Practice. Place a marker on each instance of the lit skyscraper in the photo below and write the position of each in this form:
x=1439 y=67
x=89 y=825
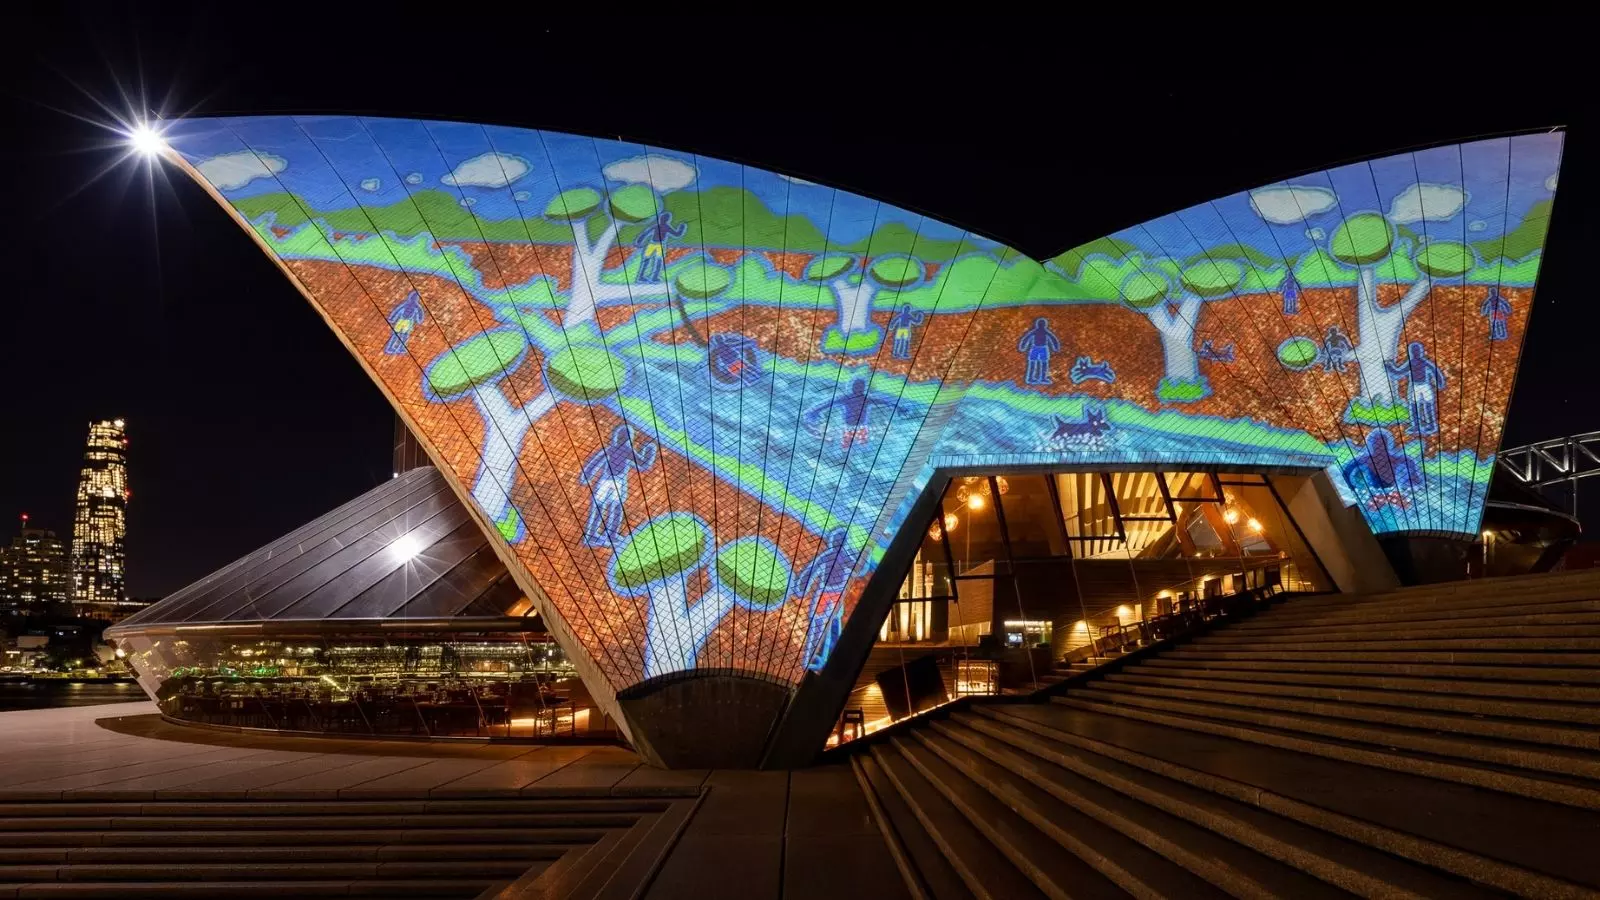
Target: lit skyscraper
x=100 y=524
x=33 y=572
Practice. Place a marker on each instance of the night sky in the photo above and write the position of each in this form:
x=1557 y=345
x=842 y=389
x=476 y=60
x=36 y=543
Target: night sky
x=247 y=418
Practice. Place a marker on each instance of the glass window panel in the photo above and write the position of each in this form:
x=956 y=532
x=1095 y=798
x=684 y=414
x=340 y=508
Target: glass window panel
x=929 y=574
x=1031 y=521
x=1086 y=507
x=972 y=527
x=1139 y=495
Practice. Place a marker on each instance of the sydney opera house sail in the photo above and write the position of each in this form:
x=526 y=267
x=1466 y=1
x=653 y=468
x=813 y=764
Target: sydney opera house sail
x=697 y=400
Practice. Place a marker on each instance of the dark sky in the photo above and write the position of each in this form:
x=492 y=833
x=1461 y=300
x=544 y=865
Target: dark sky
x=247 y=418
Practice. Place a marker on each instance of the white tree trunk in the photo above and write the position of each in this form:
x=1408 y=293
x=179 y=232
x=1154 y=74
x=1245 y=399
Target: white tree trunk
x=1378 y=331
x=677 y=631
x=1177 y=338
x=588 y=262
x=854 y=302
x=504 y=429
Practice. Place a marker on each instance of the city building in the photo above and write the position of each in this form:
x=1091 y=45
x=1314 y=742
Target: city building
x=764 y=456
x=33 y=573
x=100 y=523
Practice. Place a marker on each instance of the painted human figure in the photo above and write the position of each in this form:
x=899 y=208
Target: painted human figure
x=1381 y=472
x=652 y=241
x=826 y=577
x=1337 y=351
x=403 y=321
x=1291 y=295
x=607 y=473
x=733 y=359
x=1424 y=380
x=855 y=406
x=1038 y=343
x=1497 y=310
x=900 y=325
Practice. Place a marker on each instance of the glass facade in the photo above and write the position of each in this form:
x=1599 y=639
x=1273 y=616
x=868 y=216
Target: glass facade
x=100 y=522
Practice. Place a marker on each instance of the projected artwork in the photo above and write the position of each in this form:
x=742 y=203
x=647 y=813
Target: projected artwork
x=697 y=399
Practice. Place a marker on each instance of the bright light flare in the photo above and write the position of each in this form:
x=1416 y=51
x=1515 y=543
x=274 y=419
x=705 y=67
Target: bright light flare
x=406 y=547
x=146 y=140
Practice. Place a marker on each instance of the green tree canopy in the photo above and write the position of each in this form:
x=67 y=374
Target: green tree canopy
x=829 y=266
x=1213 y=277
x=1145 y=288
x=1446 y=259
x=478 y=361
x=1362 y=239
x=584 y=372
x=896 y=271
x=666 y=547
x=634 y=203
x=754 y=571
x=701 y=279
x=573 y=205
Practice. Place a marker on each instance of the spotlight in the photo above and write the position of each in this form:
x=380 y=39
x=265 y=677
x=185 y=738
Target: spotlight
x=406 y=547
x=146 y=140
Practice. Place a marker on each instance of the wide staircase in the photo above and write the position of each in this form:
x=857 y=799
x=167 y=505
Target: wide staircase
x=1427 y=742
x=301 y=848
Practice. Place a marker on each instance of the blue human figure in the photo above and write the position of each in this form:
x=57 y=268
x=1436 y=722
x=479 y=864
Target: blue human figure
x=1337 y=351
x=855 y=406
x=1039 y=342
x=1291 y=295
x=1382 y=472
x=733 y=359
x=1497 y=310
x=1424 y=381
x=900 y=325
x=652 y=240
x=403 y=321
x=826 y=575
x=607 y=471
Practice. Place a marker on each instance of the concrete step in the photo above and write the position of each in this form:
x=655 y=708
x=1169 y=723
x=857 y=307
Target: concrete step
x=1327 y=653
x=1159 y=854
x=1466 y=673
x=1482 y=681
x=1384 y=728
x=987 y=874
x=1578 y=794
x=1513 y=613
x=255 y=809
x=1388 y=632
x=1559 y=583
x=1231 y=841
x=922 y=863
x=330 y=822
x=301 y=838
x=1035 y=854
x=62 y=856
x=1439 y=699
x=1505 y=841
x=244 y=890
x=275 y=871
x=1365 y=640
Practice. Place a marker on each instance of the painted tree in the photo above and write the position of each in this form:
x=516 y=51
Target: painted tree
x=659 y=561
x=1172 y=299
x=579 y=207
x=474 y=369
x=1365 y=241
x=854 y=283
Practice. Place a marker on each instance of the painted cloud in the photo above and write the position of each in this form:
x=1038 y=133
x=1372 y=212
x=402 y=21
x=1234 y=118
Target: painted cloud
x=1550 y=183
x=371 y=185
x=490 y=170
x=232 y=171
x=1288 y=205
x=795 y=180
x=660 y=172
x=1427 y=203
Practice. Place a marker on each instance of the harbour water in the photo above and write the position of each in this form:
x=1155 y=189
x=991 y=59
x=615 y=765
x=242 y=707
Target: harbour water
x=46 y=693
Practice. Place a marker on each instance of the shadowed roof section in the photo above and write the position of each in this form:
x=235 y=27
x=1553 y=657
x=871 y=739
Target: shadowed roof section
x=406 y=549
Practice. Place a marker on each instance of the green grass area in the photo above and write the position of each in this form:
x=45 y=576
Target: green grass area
x=1173 y=390
x=1299 y=353
x=855 y=343
x=1363 y=411
x=1522 y=241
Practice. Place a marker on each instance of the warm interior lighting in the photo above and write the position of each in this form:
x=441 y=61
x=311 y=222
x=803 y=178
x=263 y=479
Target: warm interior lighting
x=1124 y=611
x=1487 y=535
x=148 y=142
x=975 y=501
x=1231 y=516
x=1253 y=525
x=950 y=521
